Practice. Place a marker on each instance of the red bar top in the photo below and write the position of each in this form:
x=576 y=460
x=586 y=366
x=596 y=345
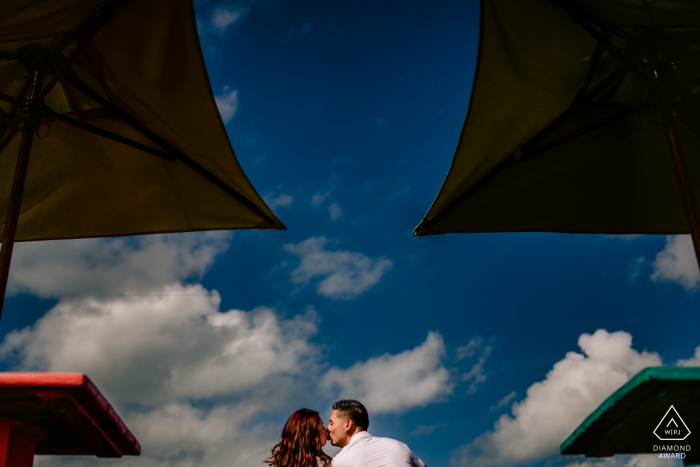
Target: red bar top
x=66 y=414
x=43 y=379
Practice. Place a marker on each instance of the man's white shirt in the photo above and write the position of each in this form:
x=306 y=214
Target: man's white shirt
x=365 y=450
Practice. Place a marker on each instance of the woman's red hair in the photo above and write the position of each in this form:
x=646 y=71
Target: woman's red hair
x=300 y=443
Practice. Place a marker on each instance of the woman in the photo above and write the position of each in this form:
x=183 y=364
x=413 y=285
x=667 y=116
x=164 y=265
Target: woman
x=300 y=444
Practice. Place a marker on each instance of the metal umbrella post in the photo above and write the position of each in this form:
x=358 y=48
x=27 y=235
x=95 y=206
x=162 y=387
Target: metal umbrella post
x=30 y=117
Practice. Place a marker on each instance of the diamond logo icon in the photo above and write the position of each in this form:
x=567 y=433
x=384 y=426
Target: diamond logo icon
x=672 y=427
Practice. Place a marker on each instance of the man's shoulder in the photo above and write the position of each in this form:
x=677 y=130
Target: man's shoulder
x=371 y=444
x=375 y=448
x=390 y=443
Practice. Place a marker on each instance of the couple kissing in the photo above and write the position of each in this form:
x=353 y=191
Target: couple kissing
x=303 y=438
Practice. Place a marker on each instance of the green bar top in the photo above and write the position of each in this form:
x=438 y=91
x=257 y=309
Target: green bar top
x=630 y=420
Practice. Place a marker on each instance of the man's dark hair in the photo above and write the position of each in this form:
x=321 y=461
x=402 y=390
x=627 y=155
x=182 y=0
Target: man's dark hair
x=354 y=410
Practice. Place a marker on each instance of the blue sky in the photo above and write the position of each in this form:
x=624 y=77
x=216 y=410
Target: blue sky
x=480 y=349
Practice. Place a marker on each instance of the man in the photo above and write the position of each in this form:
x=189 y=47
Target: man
x=347 y=429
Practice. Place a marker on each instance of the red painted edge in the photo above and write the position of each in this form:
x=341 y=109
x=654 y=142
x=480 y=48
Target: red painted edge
x=80 y=382
x=42 y=379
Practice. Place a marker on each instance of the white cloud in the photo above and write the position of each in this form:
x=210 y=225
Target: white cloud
x=693 y=361
x=319 y=198
x=554 y=407
x=223 y=18
x=425 y=430
x=227 y=102
x=503 y=402
x=469 y=349
x=677 y=263
x=179 y=435
x=394 y=383
x=112 y=266
x=344 y=274
x=176 y=345
x=476 y=374
x=281 y=201
x=335 y=211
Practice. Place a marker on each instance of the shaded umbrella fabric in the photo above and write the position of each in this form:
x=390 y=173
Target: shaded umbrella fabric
x=533 y=62
x=146 y=60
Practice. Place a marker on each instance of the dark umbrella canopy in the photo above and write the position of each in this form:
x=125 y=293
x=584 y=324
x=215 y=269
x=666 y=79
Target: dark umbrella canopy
x=133 y=69
x=108 y=126
x=567 y=127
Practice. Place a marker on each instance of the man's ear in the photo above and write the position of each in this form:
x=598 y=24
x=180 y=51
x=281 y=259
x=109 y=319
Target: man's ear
x=348 y=425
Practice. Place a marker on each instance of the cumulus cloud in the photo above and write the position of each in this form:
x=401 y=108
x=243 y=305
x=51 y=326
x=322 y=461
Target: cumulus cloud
x=468 y=350
x=280 y=201
x=179 y=434
x=693 y=361
x=553 y=408
x=112 y=266
x=677 y=263
x=224 y=17
x=393 y=383
x=319 y=198
x=476 y=375
x=175 y=345
x=335 y=211
x=503 y=402
x=425 y=430
x=343 y=274
x=227 y=102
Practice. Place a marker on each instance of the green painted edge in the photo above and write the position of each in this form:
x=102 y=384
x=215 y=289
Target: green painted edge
x=648 y=374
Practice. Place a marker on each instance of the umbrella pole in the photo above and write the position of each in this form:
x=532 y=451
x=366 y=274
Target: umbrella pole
x=660 y=77
x=691 y=209
x=31 y=115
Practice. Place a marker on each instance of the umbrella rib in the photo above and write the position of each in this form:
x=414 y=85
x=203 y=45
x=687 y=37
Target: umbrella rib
x=71 y=79
x=97 y=19
x=583 y=19
x=576 y=10
x=587 y=129
x=578 y=104
x=11 y=115
x=109 y=135
x=70 y=59
x=614 y=51
x=595 y=61
x=93 y=25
